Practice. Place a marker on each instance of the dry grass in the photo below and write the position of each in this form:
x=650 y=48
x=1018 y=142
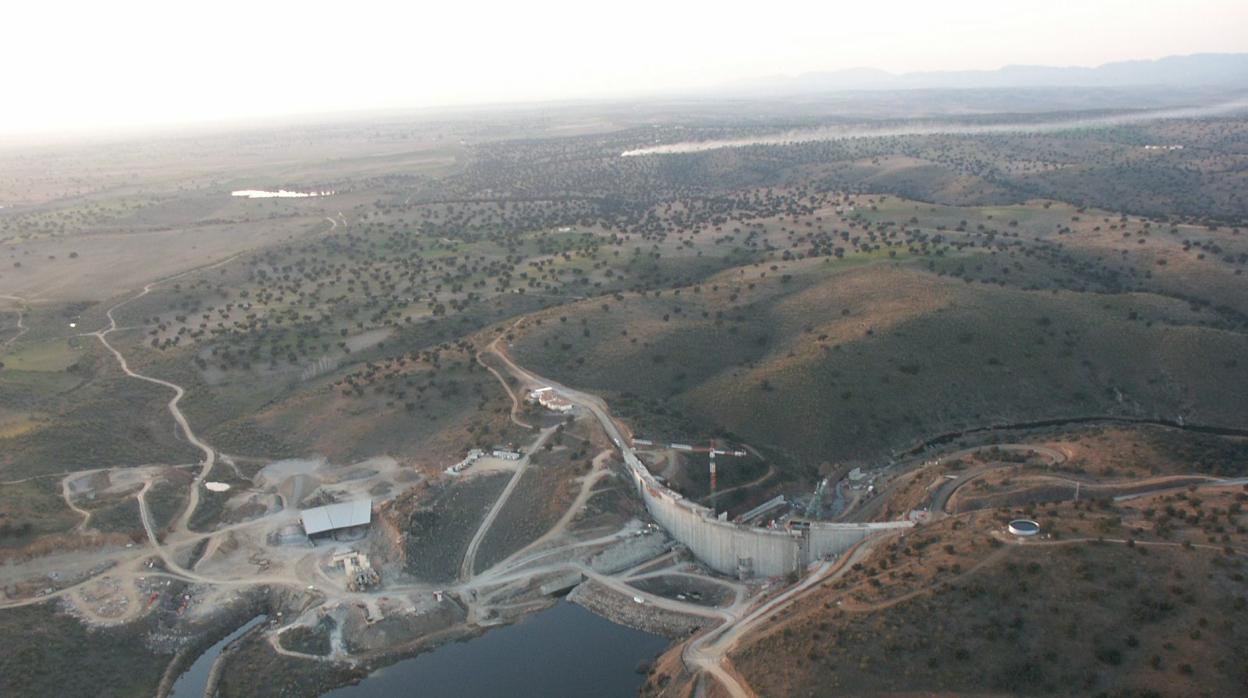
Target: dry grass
x=833 y=366
x=948 y=611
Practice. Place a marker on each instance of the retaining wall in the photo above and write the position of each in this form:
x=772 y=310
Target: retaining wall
x=826 y=539
x=739 y=550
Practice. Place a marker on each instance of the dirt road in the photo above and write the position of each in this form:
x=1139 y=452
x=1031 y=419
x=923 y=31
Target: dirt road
x=470 y=555
x=707 y=652
x=21 y=319
x=209 y=457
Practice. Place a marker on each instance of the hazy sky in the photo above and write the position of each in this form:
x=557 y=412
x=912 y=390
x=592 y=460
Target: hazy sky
x=104 y=63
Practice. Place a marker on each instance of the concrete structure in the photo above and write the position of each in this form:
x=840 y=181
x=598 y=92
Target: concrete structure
x=337 y=517
x=739 y=550
x=759 y=511
x=468 y=460
x=562 y=583
x=1024 y=527
x=722 y=545
x=506 y=454
x=551 y=400
x=359 y=570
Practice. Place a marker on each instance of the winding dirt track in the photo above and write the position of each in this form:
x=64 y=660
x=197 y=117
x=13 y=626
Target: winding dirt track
x=21 y=319
x=515 y=399
x=210 y=455
x=180 y=526
x=69 y=502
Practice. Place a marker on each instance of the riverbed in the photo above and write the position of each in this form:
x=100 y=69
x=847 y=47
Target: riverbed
x=563 y=651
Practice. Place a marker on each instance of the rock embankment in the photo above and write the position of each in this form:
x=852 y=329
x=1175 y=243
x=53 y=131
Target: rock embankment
x=622 y=609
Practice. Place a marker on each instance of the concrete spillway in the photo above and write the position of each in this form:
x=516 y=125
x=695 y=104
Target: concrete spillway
x=740 y=550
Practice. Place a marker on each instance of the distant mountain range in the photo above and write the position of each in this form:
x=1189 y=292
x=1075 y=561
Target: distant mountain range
x=1197 y=70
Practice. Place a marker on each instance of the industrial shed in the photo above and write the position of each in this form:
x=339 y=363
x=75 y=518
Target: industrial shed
x=350 y=519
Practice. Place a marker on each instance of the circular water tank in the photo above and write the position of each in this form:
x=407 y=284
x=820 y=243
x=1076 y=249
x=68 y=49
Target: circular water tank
x=1024 y=527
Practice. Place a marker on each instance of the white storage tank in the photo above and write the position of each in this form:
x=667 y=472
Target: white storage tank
x=1024 y=527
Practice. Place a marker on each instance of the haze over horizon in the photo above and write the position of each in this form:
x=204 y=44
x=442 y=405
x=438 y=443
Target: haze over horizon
x=630 y=350
x=92 y=67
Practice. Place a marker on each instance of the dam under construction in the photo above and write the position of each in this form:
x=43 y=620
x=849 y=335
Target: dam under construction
x=740 y=550
x=730 y=548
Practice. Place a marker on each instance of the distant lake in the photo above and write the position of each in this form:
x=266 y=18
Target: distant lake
x=279 y=194
x=563 y=651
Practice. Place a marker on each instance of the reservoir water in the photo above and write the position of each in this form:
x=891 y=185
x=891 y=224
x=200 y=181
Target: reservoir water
x=192 y=681
x=562 y=651
x=279 y=194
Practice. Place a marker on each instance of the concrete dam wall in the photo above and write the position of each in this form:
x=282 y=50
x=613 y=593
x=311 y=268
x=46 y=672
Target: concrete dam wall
x=740 y=550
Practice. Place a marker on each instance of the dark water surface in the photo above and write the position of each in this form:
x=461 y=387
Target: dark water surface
x=563 y=651
x=192 y=682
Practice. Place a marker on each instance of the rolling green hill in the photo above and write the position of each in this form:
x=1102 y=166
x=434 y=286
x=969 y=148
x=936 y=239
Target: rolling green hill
x=834 y=363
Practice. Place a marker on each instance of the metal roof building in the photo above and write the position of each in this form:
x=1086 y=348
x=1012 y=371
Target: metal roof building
x=336 y=516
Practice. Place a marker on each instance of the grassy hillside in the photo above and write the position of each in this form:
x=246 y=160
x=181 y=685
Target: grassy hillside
x=833 y=361
x=71 y=408
x=1065 y=621
x=111 y=662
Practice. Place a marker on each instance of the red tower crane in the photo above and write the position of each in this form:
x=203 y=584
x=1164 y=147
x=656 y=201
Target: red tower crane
x=712 y=451
x=720 y=452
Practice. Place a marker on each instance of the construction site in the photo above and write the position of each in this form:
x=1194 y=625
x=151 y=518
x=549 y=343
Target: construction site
x=356 y=565
x=367 y=562
x=360 y=564
x=771 y=539
x=375 y=557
